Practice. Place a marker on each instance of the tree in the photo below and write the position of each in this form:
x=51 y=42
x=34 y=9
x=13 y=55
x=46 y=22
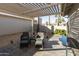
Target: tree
x=59 y=20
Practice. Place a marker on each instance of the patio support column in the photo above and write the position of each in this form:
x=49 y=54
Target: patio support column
x=38 y=25
x=68 y=26
x=49 y=19
x=32 y=25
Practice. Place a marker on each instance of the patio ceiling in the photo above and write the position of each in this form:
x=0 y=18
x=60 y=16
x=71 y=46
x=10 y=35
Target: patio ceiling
x=69 y=8
x=30 y=9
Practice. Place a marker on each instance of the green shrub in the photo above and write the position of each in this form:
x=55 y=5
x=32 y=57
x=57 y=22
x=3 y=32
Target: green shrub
x=60 y=32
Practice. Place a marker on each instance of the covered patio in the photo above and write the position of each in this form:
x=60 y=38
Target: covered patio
x=25 y=13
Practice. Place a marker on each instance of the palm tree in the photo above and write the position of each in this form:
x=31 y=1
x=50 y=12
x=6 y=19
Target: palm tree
x=59 y=20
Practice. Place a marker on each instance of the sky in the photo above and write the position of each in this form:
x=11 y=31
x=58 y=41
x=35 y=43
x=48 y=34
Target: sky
x=52 y=19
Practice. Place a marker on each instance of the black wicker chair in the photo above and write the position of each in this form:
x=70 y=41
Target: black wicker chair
x=25 y=40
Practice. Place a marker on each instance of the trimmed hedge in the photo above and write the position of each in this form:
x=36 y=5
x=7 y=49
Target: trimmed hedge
x=60 y=32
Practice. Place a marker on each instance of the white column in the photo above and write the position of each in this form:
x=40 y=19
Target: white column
x=49 y=19
x=32 y=25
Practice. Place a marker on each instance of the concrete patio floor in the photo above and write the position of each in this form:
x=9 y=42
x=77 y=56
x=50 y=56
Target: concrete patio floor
x=52 y=43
